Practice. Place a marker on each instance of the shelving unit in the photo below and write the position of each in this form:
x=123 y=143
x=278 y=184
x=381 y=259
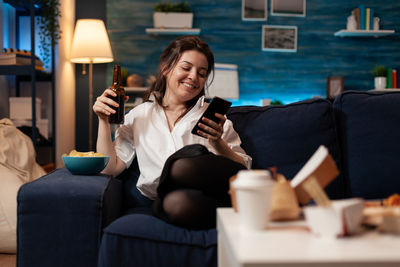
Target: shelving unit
x=31 y=74
x=363 y=33
x=156 y=31
x=138 y=90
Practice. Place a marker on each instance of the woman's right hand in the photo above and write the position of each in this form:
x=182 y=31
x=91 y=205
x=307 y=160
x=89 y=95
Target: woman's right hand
x=103 y=105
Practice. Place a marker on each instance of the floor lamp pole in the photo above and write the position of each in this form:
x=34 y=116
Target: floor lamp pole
x=90 y=105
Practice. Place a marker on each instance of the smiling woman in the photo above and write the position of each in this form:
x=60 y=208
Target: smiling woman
x=174 y=163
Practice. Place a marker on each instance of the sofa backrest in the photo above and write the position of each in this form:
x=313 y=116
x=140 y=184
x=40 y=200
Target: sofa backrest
x=286 y=136
x=369 y=134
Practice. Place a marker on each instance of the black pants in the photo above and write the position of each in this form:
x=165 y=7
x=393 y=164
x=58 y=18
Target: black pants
x=193 y=183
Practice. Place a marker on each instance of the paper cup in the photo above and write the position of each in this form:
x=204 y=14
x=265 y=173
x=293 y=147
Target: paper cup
x=253 y=196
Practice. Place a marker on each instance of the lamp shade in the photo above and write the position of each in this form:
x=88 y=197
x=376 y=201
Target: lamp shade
x=90 y=43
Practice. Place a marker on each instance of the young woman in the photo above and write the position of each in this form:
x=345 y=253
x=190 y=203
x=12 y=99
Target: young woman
x=186 y=174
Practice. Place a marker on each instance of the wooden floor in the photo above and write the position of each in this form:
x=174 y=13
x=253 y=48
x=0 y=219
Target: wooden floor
x=8 y=260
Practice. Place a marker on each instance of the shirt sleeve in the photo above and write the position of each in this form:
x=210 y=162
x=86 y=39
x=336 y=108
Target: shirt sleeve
x=123 y=143
x=232 y=138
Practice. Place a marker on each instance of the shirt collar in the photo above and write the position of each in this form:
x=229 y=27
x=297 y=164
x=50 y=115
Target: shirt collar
x=199 y=103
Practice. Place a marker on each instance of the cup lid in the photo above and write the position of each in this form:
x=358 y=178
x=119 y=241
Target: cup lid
x=253 y=179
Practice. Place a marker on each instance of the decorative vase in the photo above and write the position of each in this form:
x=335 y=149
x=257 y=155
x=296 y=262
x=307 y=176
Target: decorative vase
x=376 y=23
x=380 y=82
x=351 y=23
x=172 y=20
x=134 y=80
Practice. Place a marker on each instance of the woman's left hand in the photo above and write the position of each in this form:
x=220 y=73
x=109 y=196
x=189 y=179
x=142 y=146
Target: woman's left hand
x=211 y=129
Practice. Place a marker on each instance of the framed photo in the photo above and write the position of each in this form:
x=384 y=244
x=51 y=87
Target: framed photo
x=279 y=38
x=254 y=9
x=334 y=86
x=292 y=8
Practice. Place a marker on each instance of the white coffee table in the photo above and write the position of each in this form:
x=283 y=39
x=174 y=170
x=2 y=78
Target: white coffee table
x=291 y=244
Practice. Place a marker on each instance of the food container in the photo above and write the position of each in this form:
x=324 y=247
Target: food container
x=342 y=217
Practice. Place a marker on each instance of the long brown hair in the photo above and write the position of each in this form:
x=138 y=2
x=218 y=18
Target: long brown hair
x=170 y=57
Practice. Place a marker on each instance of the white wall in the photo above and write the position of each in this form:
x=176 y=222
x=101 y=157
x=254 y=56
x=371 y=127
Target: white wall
x=65 y=84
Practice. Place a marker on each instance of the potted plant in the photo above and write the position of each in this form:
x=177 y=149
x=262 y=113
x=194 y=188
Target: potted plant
x=173 y=15
x=49 y=32
x=380 y=73
x=276 y=102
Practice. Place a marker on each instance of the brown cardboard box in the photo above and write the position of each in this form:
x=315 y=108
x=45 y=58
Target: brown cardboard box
x=322 y=166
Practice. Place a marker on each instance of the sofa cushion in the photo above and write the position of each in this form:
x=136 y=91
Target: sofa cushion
x=147 y=241
x=369 y=132
x=133 y=199
x=286 y=136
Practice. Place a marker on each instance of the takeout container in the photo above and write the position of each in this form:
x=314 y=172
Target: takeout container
x=321 y=166
x=85 y=165
x=386 y=218
x=284 y=203
x=391 y=222
x=342 y=217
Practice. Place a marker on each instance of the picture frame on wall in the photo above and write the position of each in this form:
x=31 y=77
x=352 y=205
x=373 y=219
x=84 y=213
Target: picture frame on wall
x=290 y=8
x=334 y=86
x=254 y=10
x=277 y=38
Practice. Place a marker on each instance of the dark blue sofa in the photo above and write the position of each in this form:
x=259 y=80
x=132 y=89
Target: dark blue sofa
x=69 y=220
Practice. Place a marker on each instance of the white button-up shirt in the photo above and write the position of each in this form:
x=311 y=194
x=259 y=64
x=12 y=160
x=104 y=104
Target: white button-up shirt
x=146 y=135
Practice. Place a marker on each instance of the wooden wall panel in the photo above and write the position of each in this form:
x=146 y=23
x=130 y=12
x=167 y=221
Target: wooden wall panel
x=285 y=76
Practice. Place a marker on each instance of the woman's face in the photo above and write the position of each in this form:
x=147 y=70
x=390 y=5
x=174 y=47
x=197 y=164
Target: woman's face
x=187 y=79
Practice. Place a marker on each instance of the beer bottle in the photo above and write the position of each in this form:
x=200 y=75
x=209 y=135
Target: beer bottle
x=118 y=116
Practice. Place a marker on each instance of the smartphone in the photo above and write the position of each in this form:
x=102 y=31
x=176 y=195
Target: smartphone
x=217 y=105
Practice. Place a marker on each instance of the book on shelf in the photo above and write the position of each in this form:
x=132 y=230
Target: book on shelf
x=367 y=18
x=371 y=18
x=362 y=17
x=394 y=78
x=356 y=13
x=398 y=76
x=320 y=167
x=389 y=77
x=18 y=57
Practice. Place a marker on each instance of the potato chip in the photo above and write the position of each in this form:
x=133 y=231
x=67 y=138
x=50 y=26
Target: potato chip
x=75 y=153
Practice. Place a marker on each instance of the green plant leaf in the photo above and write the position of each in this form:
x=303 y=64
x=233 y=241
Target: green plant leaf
x=49 y=30
x=379 y=71
x=182 y=7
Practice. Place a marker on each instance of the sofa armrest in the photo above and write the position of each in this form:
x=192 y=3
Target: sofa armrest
x=61 y=217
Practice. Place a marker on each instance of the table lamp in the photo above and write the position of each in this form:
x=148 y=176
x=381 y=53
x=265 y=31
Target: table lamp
x=91 y=44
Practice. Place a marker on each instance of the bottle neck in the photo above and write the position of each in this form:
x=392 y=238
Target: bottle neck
x=116 y=77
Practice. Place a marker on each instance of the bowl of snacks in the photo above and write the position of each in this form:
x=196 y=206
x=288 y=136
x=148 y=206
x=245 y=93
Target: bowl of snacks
x=85 y=163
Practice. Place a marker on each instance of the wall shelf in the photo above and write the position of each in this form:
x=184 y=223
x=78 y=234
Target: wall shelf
x=363 y=33
x=135 y=89
x=386 y=90
x=176 y=31
x=21 y=70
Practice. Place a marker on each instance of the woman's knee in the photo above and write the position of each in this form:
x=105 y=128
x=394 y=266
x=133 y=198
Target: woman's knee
x=190 y=208
x=182 y=169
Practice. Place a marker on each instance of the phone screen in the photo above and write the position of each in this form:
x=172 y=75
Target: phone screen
x=217 y=105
